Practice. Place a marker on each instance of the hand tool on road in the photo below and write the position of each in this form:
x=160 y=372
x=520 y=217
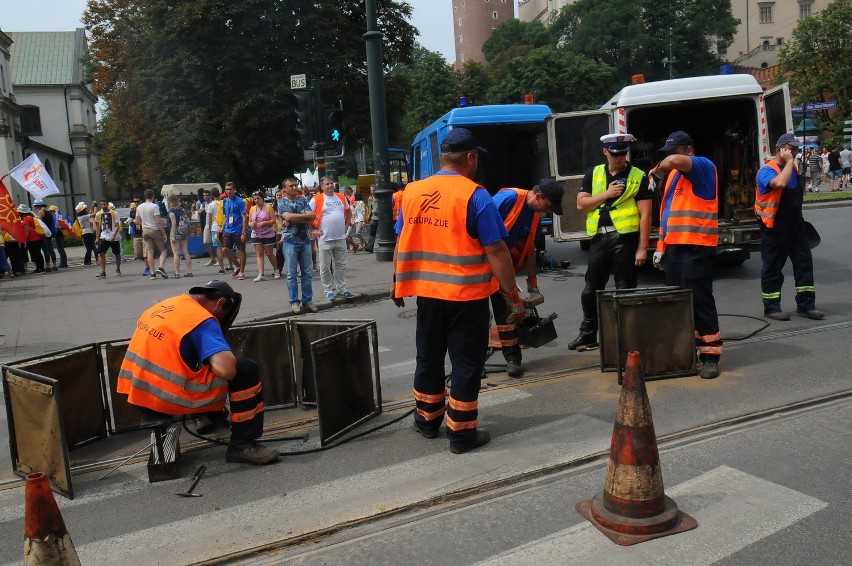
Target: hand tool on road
x=195 y=479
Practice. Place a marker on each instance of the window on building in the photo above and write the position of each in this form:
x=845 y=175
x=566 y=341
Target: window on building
x=805 y=10
x=48 y=167
x=780 y=41
x=62 y=176
x=494 y=15
x=766 y=12
x=31 y=121
x=766 y=45
x=461 y=38
x=459 y=22
x=2 y=79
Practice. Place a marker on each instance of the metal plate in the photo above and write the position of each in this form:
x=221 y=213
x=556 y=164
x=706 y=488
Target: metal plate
x=270 y=346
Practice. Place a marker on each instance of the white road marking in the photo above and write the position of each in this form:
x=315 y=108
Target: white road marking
x=733 y=510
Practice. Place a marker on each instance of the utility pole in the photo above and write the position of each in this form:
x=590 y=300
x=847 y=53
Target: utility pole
x=385 y=238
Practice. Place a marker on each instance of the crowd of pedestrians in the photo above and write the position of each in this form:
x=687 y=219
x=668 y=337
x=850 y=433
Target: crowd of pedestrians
x=831 y=165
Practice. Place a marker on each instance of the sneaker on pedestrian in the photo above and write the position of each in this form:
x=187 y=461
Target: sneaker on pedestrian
x=117 y=273
x=346 y=294
x=153 y=277
x=710 y=370
x=259 y=278
x=162 y=273
x=329 y=295
x=276 y=274
x=210 y=263
x=311 y=307
x=229 y=268
x=146 y=273
x=221 y=271
x=588 y=339
x=250 y=453
x=241 y=276
x=175 y=275
x=101 y=275
x=235 y=274
x=479 y=438
x=187 y=274
x=296 y=308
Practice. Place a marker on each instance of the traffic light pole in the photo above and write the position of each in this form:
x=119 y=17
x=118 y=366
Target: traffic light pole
x=385 y=238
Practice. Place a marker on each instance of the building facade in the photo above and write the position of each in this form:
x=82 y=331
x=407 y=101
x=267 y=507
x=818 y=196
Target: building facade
x=10 y=113
x=473 y=22
x=539 y=10
x=57 y=119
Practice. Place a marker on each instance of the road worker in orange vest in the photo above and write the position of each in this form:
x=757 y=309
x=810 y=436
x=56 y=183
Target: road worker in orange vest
x=450 y=253
x=783 y=233
x=521 y=212
x=178 y=362
x=689 y=232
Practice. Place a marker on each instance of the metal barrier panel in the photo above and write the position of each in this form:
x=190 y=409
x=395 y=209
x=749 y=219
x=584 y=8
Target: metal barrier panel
x=79 y=376
x=304 y=334
x=270 y=345
x=36 y=435
x=657 y=322
x=124 y=416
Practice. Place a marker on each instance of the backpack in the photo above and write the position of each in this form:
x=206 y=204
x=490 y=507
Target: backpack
x=182 y=229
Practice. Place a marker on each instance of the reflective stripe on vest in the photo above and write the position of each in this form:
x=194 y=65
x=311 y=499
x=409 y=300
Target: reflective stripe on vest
x=766 y=206
x=525 y=242
x=153 y=374
x=319 y=199
x=688 y=218
x=623 y=212
x=436 y=257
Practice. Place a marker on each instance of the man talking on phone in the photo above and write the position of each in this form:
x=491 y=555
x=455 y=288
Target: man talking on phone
x=617 y=202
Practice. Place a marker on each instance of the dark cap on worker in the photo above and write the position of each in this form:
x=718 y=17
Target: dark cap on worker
x=788 y=139
x=458 y=140
x=552 y=191
x=676 y=139
x=617 y=144
x=214 y=286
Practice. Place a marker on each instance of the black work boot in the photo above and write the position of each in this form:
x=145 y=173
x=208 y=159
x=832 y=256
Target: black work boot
x=514 y=368
x=250 y=452
x=584 y=339
x=480 y=438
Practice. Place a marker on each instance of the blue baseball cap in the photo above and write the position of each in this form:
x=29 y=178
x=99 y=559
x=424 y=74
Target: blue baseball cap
x=677 y=139
x=458 y=140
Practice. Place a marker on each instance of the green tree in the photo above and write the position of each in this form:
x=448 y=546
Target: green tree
x=474 y=81
x=433 y=90
x=818 y=58
x=512 y=33
x=205 y=82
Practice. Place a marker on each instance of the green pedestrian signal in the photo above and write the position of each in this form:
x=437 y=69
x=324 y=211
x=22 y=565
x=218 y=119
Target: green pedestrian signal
x=335 y=129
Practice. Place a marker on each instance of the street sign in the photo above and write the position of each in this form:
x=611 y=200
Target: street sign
x=828 y=104
x=298 y=81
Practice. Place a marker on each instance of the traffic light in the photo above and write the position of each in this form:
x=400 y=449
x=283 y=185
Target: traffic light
x=335 y=129
x=302 y=117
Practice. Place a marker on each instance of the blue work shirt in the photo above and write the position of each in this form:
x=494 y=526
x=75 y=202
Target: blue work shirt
x=234 y=209
x=504 y=201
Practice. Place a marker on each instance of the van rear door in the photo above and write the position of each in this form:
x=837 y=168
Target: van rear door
x=779 y=119
x=573 y=141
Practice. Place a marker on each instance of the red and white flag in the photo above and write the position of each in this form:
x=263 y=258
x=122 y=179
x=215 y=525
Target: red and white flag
x=9 y=219
x=32 y=175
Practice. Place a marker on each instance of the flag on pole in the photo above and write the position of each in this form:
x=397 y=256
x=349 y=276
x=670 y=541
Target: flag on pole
x=32 y=175
x=9 y=219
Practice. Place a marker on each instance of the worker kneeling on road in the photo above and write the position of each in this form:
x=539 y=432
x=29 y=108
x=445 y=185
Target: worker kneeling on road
x=178 y=362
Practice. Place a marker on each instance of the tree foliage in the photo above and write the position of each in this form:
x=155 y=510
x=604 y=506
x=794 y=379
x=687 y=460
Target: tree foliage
x=200 y=86
x=633 y=36
x=432 y=90
x=818 y=58
x=512 y=33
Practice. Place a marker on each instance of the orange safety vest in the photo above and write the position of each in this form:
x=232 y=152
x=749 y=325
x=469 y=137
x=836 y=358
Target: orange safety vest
x=397 y=204
x=153 y=373
x=524 y=246
x=319 y=199
x=436 y=257
x=691 y=220
x=766 y=206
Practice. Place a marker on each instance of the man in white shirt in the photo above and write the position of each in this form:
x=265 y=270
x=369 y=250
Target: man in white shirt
x=153 y=232
x=333 y=217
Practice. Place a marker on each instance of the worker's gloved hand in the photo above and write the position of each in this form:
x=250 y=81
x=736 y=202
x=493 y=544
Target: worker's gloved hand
x=658 y=260
x=398 y=301
x=516 y=305
x=532 y=285
x=656 y=178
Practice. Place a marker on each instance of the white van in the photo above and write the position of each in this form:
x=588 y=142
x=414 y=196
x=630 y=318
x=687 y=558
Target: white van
x=732 y=120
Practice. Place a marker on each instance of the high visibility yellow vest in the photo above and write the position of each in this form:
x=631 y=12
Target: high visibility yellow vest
x=623 y=212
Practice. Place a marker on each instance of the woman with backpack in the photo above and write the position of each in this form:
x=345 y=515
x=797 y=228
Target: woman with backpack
x=178 y=236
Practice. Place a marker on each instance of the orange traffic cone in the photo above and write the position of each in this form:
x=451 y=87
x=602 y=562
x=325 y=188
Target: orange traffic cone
x=633 y=507
x=46 y=541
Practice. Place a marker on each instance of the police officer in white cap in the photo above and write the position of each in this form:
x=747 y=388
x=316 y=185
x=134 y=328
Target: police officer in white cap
x=617 y=202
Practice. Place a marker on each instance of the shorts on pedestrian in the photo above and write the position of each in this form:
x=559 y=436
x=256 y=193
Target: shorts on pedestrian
x=265 y=242
x=847 y=170
x=835 y=173
x=231 y=240
x=154 y=239
x=207 y=236
x=114 y=245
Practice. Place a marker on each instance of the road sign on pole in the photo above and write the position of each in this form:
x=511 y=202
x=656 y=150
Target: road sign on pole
x=298 y=81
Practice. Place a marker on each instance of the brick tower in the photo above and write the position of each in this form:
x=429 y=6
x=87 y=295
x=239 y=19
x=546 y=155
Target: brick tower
x=473 y=21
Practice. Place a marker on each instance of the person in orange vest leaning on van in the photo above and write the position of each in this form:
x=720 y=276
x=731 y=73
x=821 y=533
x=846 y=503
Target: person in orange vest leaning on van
x=521 y=212
x=450 y=253
x=178 y=362
x=778 y=206
x=689 y=232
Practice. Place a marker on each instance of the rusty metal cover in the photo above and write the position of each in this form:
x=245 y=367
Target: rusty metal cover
x=270 y=345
